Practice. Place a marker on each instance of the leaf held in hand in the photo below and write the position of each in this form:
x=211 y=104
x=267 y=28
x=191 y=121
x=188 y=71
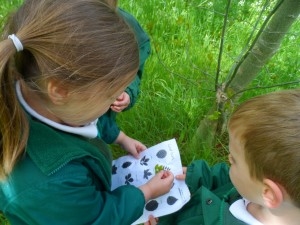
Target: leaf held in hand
x=158 y=168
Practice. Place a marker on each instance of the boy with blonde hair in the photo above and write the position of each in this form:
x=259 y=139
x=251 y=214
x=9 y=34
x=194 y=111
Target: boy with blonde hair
x=262 y=185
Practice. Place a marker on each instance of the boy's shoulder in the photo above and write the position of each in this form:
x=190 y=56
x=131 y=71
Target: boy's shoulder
x=207 y=208
x=212 y=194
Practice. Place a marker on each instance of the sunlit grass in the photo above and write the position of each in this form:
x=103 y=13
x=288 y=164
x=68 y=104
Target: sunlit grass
x=179 y=80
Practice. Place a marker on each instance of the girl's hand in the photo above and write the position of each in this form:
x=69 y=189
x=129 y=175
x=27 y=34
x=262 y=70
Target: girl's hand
x=132 y=146
x=158 y=185
x=152 y=221
x=121 y=102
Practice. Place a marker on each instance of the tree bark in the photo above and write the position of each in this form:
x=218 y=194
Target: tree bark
x=261 y=51
x=266 y=45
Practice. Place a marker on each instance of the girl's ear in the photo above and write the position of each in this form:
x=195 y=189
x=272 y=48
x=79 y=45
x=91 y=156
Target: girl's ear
x=57 y=93
x=272 y=194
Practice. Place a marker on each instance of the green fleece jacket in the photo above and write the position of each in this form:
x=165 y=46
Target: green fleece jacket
x=66 y=179
x=211 y=195
x=109 y=129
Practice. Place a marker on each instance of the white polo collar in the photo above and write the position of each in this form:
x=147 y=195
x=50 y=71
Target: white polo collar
x=239 y=210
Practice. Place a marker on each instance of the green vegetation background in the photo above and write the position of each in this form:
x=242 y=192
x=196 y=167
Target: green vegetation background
x=178 y=85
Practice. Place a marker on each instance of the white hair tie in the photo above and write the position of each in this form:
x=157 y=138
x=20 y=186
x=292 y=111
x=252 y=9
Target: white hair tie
x=16 y=42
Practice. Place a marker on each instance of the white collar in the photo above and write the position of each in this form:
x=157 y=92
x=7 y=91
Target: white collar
x=239 y=210
x=89 y=131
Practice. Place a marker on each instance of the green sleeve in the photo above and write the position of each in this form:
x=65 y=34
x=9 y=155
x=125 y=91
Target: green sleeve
x=133 y=90
x=107 y=127
x=204 y=182
x=199 y=173
x=73 y=196
x=144 y=51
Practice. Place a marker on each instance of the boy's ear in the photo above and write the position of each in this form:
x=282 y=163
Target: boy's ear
x=272 y=194
x=57 y=93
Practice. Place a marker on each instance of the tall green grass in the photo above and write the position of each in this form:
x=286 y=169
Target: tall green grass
x=177 y=89
x=178 y=84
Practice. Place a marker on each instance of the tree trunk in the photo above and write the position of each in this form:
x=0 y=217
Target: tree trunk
x=265 y=46
x=260 y=52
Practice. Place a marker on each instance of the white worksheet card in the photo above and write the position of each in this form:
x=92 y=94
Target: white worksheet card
x=128 y=170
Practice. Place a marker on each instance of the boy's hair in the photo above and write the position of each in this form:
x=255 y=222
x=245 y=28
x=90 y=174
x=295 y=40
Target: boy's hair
x=80 y=43
x=269 y=129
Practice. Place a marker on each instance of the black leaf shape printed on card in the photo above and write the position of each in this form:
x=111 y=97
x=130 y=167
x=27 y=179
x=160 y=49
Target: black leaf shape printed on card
x=126 y=164
x=171 y=200
x=147 y=173
x=161 y=154
x=128 y=179
x=114 y=169
x=151 y=205
x=144 y=161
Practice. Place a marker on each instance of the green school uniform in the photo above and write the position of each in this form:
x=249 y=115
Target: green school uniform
x=66 y=179
x=211 y=195
x=143 y=41
x=109 y=129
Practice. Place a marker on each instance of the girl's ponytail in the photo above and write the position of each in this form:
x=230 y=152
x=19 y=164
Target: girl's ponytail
x=13 y=124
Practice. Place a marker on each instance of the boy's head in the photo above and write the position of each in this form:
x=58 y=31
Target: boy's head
x=265 y=130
